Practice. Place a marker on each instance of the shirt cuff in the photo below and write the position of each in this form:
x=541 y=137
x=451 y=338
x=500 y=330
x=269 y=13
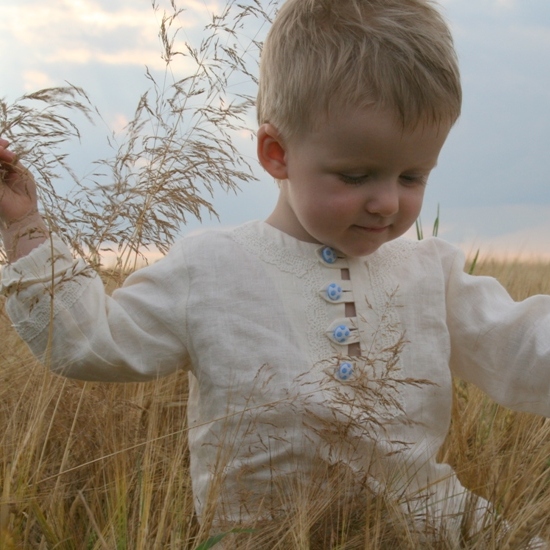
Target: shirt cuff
x=46 y=263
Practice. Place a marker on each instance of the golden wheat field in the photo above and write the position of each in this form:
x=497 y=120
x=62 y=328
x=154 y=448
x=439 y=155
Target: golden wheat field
x=99 y=466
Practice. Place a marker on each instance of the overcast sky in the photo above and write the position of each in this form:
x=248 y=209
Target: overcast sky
x=493 y=179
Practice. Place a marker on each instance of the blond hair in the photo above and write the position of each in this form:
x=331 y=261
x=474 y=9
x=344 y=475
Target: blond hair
x=324 y=54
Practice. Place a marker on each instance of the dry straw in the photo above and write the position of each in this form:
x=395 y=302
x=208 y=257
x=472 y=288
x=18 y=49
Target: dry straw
x=176 y=151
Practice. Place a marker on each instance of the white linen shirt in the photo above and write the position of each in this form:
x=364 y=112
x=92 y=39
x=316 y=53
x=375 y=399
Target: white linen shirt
x=259 y=319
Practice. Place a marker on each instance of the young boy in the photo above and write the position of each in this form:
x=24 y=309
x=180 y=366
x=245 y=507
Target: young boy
x=318 y=339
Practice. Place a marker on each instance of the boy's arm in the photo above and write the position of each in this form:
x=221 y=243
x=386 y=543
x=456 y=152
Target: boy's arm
x=84 y=333
x=21 y=226
x=500 y=345
x=58 y=305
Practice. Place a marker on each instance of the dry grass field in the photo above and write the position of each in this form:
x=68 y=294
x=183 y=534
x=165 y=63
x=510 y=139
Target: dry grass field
x=101 y=466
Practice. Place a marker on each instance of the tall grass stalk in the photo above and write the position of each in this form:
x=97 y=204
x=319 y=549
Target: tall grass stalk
x=178 y=148
x=435 y=232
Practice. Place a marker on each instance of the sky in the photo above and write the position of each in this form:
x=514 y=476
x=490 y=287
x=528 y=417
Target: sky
x=492 y=182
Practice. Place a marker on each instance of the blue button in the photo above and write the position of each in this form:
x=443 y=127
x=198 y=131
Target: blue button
x=341 y=333
x=344 y=371
x=328 y=255
x=334 y=292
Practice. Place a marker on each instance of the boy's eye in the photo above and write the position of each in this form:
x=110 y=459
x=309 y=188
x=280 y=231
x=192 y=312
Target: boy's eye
x=414 y=179
x=353 y=180
x=406 y=179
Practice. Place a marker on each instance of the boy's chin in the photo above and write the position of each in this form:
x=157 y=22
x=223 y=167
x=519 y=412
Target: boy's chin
x=359 y=251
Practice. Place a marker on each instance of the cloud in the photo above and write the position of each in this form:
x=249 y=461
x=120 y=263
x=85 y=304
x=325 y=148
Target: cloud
x=497 y=153
x=504 y=4
x=84 y=56
x=36 y=80
x=82 y=31
x=118 y=122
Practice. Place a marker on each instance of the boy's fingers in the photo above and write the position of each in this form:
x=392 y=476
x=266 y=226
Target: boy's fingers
x=8 y=159
x=10 y=173
x=7 y=156
x=6 y=166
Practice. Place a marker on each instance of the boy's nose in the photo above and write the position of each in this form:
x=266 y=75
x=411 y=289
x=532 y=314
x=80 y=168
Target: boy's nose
x=383 y=199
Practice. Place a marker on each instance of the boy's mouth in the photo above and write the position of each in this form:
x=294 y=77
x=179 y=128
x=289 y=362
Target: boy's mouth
x=373 y=228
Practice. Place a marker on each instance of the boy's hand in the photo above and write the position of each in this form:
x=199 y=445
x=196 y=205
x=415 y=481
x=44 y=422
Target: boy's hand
x=21 y=227
x=17 y=188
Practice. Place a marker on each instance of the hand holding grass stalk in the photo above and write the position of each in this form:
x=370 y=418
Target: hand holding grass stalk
x=21 y=226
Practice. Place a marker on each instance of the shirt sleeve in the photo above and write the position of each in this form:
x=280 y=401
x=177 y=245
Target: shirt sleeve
x=60 y=308
x=500 y=345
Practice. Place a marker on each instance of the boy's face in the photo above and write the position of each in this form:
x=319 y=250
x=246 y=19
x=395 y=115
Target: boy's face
x=357 y=181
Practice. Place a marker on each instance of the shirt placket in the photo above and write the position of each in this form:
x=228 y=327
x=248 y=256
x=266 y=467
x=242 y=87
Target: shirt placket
x=342 y=331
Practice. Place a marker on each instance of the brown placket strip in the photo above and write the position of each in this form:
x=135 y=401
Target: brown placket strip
x=354 y=350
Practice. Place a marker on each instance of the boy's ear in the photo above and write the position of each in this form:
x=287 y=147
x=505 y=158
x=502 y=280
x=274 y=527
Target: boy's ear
x=272 y=152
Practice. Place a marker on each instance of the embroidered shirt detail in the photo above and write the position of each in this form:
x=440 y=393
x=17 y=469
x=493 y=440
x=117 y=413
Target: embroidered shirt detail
x=307 y=268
